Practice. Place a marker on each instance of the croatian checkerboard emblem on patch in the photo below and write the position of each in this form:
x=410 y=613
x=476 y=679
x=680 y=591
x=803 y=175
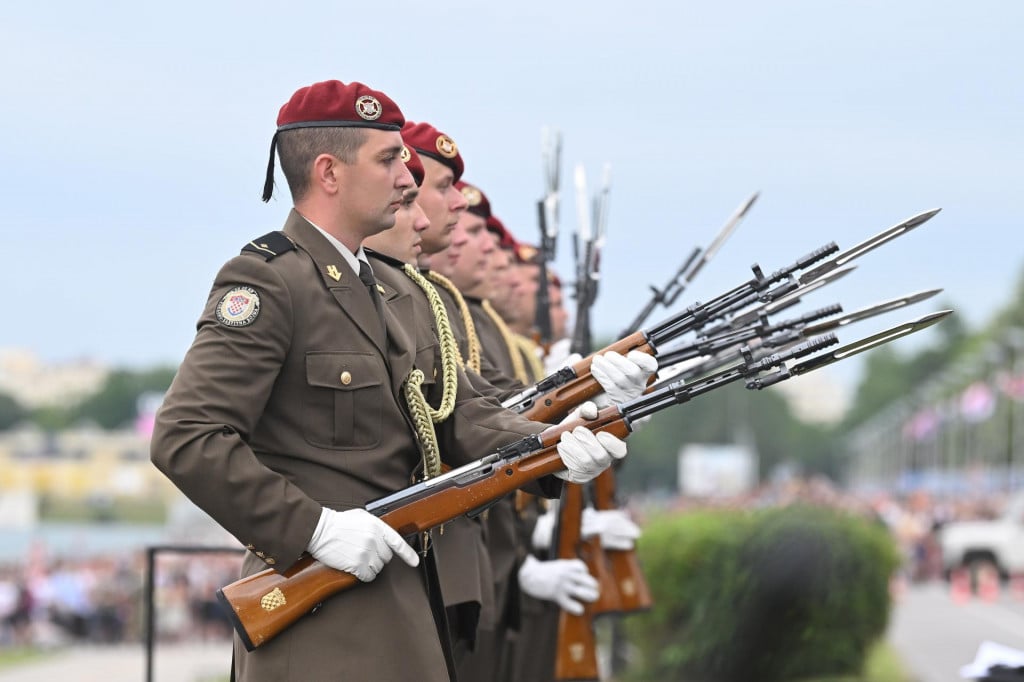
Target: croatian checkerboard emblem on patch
x=239 y=307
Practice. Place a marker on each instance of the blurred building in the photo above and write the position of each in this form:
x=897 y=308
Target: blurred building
x=86 y=462
x=34 y=383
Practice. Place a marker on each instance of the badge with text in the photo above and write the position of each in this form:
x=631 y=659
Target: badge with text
x=239 y=307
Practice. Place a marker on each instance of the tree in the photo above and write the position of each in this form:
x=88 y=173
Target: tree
x=116 y=404
x=11 y=412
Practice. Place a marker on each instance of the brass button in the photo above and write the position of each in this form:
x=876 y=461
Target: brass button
x=381 y=289
x=346 y=378
x=250 y=547
x=270 y=560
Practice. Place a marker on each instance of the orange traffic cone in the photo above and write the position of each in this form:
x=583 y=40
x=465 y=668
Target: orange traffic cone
x=960 y=586
x=988 y=583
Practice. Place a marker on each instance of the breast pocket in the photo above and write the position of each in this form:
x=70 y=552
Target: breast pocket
x=348 y=404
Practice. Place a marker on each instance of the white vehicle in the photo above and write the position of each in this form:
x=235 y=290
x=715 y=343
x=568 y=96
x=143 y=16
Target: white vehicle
x=1000 y=542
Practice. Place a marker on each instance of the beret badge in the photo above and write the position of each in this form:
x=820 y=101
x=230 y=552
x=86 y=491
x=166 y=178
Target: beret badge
x=446 y=147
x=405 y=155
x=472 y=195
x=368 y=107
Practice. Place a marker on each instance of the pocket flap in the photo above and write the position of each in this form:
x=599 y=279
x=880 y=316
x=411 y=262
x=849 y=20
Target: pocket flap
x=345 y=371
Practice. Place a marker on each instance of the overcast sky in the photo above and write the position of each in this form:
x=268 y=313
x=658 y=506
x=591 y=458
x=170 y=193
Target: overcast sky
x=135 y=136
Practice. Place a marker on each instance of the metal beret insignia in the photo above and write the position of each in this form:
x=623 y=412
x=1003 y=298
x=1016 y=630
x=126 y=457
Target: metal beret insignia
x=472 y=195
x=239 y=307
x=446 y=147
x=368 y=107
x=527 y=252
x=406 y=154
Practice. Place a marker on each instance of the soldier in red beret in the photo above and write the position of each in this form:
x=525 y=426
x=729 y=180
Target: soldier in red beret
x=288 y=413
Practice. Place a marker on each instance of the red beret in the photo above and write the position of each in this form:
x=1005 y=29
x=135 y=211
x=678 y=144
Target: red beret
x=429 y=141
x=333 y=104
x=527 y=254
x=413 y=163
x=506 y=240
x=477 y=200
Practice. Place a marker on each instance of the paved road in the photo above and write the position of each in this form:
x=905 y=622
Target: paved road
x=172 y=663
x=935 y=635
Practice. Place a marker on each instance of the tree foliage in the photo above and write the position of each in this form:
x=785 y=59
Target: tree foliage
x=11 y=412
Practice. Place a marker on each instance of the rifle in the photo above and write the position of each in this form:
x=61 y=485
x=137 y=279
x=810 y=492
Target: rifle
x=547 y=219
x=587 y=245
x=691 y=266
x=778 y=335
x=576 y=652
x=265 y=603
x=551 y=398
x=634 y=594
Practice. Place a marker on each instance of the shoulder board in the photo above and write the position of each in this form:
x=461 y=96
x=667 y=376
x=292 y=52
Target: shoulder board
x=270 y=245
x=384 y=259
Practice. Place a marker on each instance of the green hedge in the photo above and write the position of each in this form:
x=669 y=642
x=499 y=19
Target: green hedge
x=769 y=595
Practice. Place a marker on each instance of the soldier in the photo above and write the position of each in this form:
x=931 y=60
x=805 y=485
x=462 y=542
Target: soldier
x=288 y=412
x=516 y=357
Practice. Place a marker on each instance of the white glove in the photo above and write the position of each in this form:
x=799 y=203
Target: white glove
x=563 y=581
x=615 y=528
x=623 y=378
x=586 y=455
x=559 y=356
x=544 y=529
x=357 y=542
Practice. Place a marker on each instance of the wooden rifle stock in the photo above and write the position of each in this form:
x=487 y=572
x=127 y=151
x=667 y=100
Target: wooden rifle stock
x=634 y=593
x=264 y=604
x=557 y=403
x=576 y=652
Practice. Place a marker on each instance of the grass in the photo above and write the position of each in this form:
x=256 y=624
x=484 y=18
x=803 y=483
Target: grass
x=123 y=509
x=883 y=665
x=11 y=657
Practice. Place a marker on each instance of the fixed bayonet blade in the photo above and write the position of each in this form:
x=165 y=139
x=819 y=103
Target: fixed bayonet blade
x=869 y=244
x=869 y=311
x=869 y=342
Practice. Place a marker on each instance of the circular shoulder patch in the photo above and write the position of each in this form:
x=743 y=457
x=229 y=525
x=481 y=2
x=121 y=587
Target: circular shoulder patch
x=239 y=307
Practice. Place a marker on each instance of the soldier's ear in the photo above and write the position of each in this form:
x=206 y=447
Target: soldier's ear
x=326 y=173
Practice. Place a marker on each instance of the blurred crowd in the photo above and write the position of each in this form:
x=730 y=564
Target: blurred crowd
x=101 y=600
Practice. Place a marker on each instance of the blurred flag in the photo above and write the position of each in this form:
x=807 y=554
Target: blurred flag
x=977 y=402
x=145 y=412
x=923 y=425
x=1012 y=385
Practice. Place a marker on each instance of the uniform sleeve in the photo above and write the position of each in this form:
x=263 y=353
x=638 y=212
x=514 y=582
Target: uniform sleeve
x=479 y=425
x=200 y=440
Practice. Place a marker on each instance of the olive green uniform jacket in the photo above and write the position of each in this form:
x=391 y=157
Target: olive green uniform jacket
x=298 y=407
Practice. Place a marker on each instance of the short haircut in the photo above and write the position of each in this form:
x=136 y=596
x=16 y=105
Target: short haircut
x=298 y=148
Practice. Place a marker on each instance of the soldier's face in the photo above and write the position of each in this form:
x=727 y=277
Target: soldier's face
x=559 y=315
x=441 y=202
x=403 y=240
x=470 y=267
x=503 y=285
x=371 y=187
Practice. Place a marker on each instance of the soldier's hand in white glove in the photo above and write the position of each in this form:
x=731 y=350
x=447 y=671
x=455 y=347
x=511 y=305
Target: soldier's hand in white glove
x=623 y=377
x=544 y=528
x=613 y=526
x=564 y=581
x=586 y=455
x=357 y=542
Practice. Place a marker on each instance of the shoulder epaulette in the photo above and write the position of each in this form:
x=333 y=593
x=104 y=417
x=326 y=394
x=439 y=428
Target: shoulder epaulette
x=384 y=258
x=270 y=245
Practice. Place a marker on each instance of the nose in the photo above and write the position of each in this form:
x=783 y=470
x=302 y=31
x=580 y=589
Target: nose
x=459 y=202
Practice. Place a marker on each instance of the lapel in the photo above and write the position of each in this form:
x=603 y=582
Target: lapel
x=400 y=313
x=338 y=277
